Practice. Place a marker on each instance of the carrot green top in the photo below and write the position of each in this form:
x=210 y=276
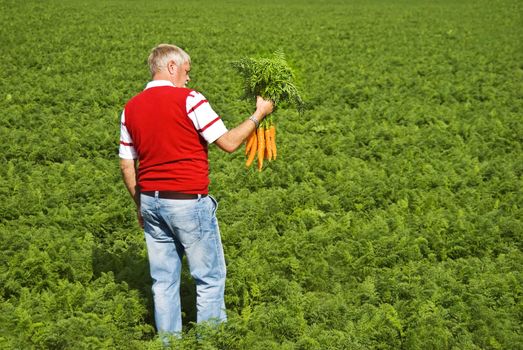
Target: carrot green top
x=271 y=78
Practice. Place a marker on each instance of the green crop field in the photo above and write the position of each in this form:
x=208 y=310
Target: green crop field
x=392 y=218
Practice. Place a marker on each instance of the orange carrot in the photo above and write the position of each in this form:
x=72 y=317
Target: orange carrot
x=250 y=142
x=268 y=144
x=261 y=148
x=252 y=151
x=272 y=132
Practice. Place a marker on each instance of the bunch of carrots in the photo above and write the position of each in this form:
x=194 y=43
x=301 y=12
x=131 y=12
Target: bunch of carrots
x=261 y=143
x=273 y=79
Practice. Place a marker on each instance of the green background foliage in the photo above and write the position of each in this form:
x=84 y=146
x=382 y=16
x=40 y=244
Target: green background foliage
x=392 y=218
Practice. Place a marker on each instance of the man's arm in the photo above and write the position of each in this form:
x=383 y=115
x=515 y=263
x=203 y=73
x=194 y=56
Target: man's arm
x=128 y=169
x=232 y=139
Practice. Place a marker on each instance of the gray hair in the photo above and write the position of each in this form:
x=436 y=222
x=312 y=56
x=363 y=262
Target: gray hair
x=162 y=54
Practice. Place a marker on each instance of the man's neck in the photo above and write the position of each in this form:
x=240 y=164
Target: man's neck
x=162 y=76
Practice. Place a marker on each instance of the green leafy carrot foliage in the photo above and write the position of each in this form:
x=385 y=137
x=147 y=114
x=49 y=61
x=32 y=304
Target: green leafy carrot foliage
x=270 y=77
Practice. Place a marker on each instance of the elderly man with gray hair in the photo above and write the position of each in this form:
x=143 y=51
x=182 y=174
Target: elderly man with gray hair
x=164 y=135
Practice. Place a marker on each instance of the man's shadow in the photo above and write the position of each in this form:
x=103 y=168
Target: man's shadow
x=132 y=268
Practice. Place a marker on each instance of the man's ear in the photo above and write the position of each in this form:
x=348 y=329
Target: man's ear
x=171 y=67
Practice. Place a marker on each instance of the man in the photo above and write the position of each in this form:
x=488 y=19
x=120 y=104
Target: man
x=165 y=131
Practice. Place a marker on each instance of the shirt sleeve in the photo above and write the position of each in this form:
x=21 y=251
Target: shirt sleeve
x=127 y=150
x=205 y=120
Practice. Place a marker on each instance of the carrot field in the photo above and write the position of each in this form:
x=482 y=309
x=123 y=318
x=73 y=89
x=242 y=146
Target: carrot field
x=391 y=219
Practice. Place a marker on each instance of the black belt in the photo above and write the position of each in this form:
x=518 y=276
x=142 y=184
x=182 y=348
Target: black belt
x=173 y=195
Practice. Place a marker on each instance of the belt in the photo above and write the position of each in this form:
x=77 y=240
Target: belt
x=173 y=195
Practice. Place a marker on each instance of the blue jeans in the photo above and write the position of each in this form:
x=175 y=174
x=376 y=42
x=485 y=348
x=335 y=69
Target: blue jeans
x=174 y=227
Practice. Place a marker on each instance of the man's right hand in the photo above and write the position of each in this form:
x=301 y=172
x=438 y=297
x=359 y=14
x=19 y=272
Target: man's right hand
x=264 y=107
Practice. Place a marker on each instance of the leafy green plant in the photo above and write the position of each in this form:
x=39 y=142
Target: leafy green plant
x=270 y=77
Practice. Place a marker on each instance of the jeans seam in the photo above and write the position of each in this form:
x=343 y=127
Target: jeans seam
x=215 y=205
x=200 y=221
